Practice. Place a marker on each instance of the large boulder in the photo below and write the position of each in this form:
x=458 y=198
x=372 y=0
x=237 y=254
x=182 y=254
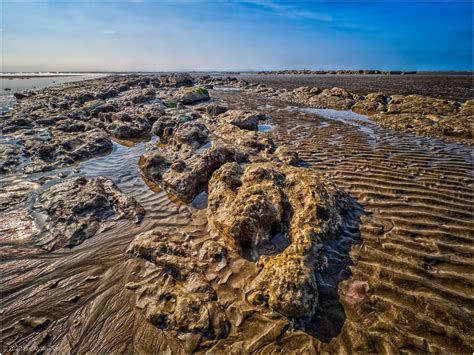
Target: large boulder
x=77 y=209
x=282 y=216
x=178 y=80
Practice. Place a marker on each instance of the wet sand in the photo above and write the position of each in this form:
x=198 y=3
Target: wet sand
x=399 y=278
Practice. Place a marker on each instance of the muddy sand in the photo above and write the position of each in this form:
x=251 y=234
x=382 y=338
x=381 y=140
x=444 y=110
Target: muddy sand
x=171 y=214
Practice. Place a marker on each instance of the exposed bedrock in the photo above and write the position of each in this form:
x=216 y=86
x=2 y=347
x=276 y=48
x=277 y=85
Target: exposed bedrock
x=174 y=294
x=77 y=209
x=284 y=215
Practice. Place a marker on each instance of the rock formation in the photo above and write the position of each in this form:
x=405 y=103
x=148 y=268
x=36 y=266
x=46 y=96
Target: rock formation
x=253 y=206
x=77 y=209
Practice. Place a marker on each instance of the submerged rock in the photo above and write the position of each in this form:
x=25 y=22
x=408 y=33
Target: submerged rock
x=254 y=207
x=77 y=209
x=174 y=294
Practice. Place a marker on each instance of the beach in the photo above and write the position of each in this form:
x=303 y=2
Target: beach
x=237 y=213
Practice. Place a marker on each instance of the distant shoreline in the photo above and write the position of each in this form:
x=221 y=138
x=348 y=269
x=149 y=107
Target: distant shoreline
x=250 y=72
x=59 y=75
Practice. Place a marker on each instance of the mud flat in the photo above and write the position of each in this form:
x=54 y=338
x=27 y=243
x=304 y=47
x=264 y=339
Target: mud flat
x=454 y=86
x=165 y=213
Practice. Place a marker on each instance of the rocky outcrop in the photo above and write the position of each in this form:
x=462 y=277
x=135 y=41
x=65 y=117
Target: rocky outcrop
x=174 y=294
x=257 y=206
x=335 y=98
x=77 y=209
x=62 y=125
x=400 y=104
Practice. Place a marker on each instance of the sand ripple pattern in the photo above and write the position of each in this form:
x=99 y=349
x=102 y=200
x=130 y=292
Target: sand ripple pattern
x=417 y=231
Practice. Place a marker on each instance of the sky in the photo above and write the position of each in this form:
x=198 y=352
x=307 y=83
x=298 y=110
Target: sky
x=168 y=35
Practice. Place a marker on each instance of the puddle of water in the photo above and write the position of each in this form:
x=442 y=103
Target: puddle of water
x=226 y=88
x=203 y=148
x=200 y=201
x=265 y=107
x=265 y=127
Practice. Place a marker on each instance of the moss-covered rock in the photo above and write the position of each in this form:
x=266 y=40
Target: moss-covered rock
x=192 y=95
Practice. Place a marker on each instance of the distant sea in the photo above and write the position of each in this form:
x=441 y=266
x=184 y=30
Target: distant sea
x=17 y=82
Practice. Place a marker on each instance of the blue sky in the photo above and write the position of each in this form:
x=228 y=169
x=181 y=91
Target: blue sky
x=166 y=35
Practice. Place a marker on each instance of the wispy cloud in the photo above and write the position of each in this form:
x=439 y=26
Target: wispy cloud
x=289 y=10
x=110 y=32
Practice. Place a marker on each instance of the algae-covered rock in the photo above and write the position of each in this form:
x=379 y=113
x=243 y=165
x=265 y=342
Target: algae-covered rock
x=192 y=95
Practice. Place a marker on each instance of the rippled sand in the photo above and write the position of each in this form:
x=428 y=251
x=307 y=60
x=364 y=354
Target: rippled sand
x=400 y=280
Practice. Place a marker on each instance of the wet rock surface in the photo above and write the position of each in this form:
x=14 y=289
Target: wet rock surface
x=77 y=209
